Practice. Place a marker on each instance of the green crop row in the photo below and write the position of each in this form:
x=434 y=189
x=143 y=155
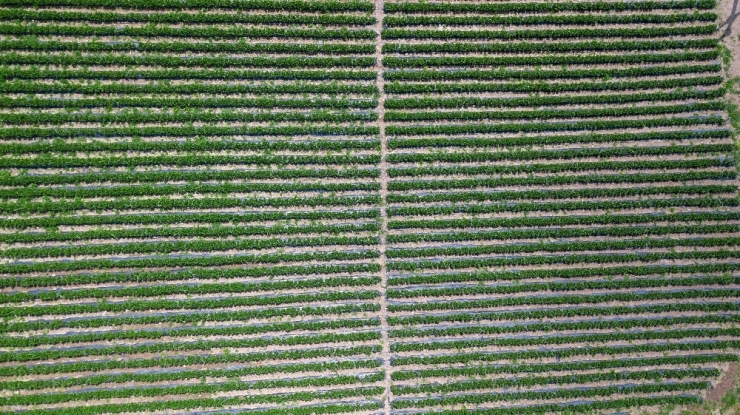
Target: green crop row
x=654 y=375
x=192 y=318
x=430 y=74
x=569 y=299
x=184 y=261
x=147 y=291
x=181 y=17
x=519 y=368
x=539 y=181
x=354 y=325
x=190 y=159
x=536 y=222
x=550 y=34
x=548 y=126
x=483 y=317
x=181 y=246
x=183 y=361
x=137 y=115
x=201 y=304
x=537 y=7
x=180 y=131
x=686 y=134
x=468 y=358
x=180 y=375
x=600 y=205
x=562 y=259
x=557 y=154
x=559 y=394
x=219 y=61
x=322 y=340
x=538 y=101
x=535 y=47
x=218 y=402
x=185 y=102
x=581 y=406
x=183 y=89
x=278 y=5
x=198 y=144
x=52 y=222
x=173 y=391
x=567 y=286
x=548 y=87
x=578 y=19
x=190 y=232
x=190 y=188
x=616 y=166
x=568 y=59
x=417 y=115
x=241 y=46
x=614 y=232
x=557 y=327
x=212 y=32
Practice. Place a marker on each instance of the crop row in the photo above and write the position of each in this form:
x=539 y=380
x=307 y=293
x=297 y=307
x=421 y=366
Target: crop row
x=278 y=5
x=519 y=368
x=566 y=59
x=191 y=318
x=479 y=317
x=557 y=154
x=178 y=17
x=242 y=46
x=184 y=88
x=568 y=299
x=212 y=32
x=194 y=116
x=552 y=287
x=544 y=222
x=131 y=292
x=614 y=232
x=200 y=304
x=578 y=19
x=553 y=34
x=9 y=73
x=544 y=181
x=186 y=404
x=353 y=325
x=190 y=232
x=538 y=7
x=535 y=47
x=559 y=327
x=672 y=135
x=555 y=394
x=51 y=223
x=429 y=75
x=185 y=261
x=198 y=144
x=173 y=391
x=551 y=206
x=714 y=119
x=181 y=361
x=180 y=375
x=185 y=131
x=656 y=375
x=724 y=253
x=417 y=115
x=549 y=87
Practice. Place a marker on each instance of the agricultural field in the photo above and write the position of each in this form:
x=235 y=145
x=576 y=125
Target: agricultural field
x=352 y=207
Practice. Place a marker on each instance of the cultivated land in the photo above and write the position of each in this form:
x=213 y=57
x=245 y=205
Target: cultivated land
x=313 y=207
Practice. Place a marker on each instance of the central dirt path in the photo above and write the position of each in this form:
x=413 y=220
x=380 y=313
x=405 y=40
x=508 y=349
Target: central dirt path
x=386 y=353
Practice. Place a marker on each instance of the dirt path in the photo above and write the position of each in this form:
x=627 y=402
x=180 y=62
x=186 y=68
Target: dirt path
x=386 y=351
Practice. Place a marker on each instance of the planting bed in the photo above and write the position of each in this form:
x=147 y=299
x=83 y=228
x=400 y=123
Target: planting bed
x=308 y=207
